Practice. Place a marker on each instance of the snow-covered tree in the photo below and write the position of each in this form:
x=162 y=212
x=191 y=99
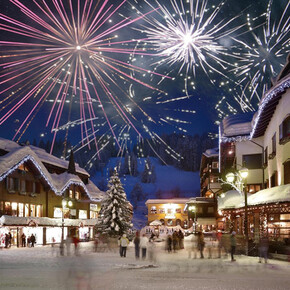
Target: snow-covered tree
x=116 y=212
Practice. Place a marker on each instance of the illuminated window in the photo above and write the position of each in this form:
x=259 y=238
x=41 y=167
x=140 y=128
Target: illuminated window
x=161 y=210
x=170 y=222
x=70 y=193
x=20 y=209
x=32 y=210
x=39 y=210
x=215 y=165
x=153 y=210
x=26 y=209
x=14 y=208
x=83 y=214
x=93 y=214
x=78 y=195
x=57 y=212
x=8 y=209
x=169 y=210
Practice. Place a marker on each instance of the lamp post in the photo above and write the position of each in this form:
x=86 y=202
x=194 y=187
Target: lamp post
x=192 y=208
x=65 y=203
x=239 y=181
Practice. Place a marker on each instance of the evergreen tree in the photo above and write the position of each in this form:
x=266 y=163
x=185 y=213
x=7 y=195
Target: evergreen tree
x=71 y=165
x=116 y=213
x=134 y=165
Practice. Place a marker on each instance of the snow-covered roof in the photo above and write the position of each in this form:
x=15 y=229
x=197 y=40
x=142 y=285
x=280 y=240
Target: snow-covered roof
x=236 y=125
x=58 y=183
x=8 y=145
x=211 y=152
x=234 y=199
x=6 y=220
x=171 y=200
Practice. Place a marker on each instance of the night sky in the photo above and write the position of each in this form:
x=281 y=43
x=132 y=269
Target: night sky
x=116 y=70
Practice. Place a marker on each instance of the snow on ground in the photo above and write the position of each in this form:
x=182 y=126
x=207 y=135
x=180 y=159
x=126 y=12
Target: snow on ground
x=43 y=268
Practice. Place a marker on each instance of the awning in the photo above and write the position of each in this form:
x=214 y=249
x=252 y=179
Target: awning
x=206 y=221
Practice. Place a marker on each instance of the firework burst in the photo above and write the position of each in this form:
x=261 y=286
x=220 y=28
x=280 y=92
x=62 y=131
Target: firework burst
x=65 y=53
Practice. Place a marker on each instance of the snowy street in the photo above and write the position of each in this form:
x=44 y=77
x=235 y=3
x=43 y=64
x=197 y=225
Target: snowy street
x=43 y=268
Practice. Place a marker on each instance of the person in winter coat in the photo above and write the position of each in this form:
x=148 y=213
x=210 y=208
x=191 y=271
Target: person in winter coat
x=23 y=240
x=169 y=243
x=137 y=245
x=124 y=242
x=200 y=243
x=143 y=245
x=233 y=245
x=180 y=239
x=32 y=240
x=175 y=241
x=263 y=249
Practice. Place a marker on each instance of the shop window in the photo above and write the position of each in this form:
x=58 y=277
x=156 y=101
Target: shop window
x=185 y=224
x=178 y=222
x=26 y=210
x=93 y=214
x=39 y=210
x=153 y=210
x=83 y=214
x=162 y=222
x=284 y=131
x=284 y=217
x=287 y=172
x=170 y=222
x=57 y=212
x=253 y=188
x=161 y=210
x=14 y=208
x=178 y=210
x=20 y=209
x=7 y=209
x=32 y=210
x=252 y=161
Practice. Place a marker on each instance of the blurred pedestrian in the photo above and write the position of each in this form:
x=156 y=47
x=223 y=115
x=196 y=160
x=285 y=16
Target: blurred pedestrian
x=151 y=251
x=124 y=243
x=9 y=239
x=192 y=250
x=68 y=243
x=76 y=244
x=23 y=240
x=233 y=245
x=61 y=247
x=32 y=240
x=6 y=240
x=180 y=239
x=143 y=245
x=219 y=240
x=200 y=243
x=137 y=245
x=169 y=243
x=263 y=248
x=175 y=241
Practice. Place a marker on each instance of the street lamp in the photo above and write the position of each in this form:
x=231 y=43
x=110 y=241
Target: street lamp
x=192 y=208
x=240 y=178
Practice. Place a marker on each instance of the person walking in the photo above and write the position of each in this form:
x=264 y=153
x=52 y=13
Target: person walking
x=200 y=243
x=124 y=242
x=180 y=239
x=169 y=243
x=32 y=240
x=143 y=245
x=23 y=240
x=263 y=249
x=233 y=245
x=219 y=240
x=137 y=245
x=175 y=241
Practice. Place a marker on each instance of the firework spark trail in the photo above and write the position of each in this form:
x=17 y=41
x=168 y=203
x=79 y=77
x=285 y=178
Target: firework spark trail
x=77 y=36
x=264 y=57
x=192 y=37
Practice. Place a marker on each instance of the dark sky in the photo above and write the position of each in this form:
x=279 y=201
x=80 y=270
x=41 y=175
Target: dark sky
x=200 y=105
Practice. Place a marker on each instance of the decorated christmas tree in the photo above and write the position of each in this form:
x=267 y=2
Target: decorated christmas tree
x=116 y=211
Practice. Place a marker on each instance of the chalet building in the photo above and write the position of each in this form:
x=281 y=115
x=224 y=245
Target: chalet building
x=262 y=144
x=170 y=212
x=210 y=186
x=44 y=195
